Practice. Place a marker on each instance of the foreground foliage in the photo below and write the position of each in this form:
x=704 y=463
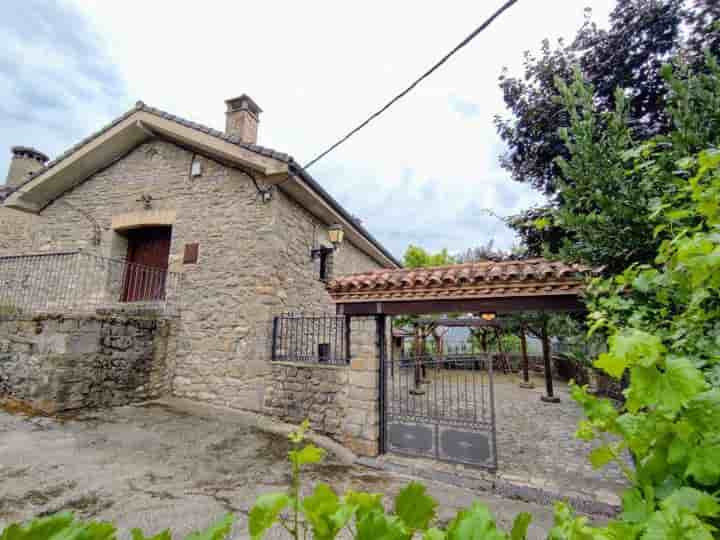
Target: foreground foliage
x=323 y=514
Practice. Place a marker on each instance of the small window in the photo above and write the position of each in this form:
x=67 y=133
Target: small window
x=196 y=168
x=323 y=353
x=325 y=265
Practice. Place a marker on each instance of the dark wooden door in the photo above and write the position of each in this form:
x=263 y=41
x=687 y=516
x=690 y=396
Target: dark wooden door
x=147 y=264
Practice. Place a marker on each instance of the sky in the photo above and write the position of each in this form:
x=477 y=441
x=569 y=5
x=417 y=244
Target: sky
x=425 y=173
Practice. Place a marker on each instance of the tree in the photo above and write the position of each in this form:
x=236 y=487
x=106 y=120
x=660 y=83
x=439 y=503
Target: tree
x=417 y=257
x=662 y=322
x=641 y=37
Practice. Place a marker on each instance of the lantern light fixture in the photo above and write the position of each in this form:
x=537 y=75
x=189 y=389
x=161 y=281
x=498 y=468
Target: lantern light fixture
x=488 y=316
x=336 y=234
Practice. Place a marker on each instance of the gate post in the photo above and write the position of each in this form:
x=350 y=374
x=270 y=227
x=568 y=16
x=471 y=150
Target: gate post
x=361 y=421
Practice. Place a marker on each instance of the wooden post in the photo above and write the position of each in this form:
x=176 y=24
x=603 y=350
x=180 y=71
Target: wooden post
x=526 y=382
x=549 y=396
x=419 y=344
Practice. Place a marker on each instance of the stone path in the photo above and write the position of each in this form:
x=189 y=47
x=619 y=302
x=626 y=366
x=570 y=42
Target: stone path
x=536 y=444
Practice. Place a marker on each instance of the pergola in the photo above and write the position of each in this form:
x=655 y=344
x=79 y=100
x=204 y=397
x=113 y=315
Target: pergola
x=492 y=287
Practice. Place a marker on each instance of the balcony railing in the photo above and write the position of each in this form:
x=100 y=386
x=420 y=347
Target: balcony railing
x=79 y=282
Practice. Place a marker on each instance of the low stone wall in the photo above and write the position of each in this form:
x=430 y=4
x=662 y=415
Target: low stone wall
x=316 y=392
x=340 y=401
x=53 y=364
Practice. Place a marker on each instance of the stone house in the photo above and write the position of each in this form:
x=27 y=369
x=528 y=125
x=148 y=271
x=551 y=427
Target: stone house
x=237 y=221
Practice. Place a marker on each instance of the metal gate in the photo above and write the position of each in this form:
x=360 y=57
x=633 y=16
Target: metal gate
x=440 y=406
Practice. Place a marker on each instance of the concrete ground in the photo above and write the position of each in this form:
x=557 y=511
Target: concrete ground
x=179 y=465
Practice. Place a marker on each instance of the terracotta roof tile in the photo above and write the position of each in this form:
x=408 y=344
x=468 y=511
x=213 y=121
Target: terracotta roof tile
x=470 y=280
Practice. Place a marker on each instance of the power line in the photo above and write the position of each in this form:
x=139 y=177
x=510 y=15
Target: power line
x=417 y=81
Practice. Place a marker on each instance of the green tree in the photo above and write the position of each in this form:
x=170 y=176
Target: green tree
x=417 y=257
x=642 y=35
x=662 y=321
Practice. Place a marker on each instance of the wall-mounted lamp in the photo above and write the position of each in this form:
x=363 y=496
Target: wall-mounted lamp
x=488 y=316
x=336 y=234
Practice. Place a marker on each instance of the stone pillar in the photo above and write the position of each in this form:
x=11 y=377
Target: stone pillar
x=361 y=423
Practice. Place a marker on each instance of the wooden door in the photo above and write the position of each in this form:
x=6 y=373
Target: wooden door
x=147 y=264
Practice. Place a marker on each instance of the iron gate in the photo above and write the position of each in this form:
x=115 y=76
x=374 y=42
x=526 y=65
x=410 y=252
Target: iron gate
x=440 y=406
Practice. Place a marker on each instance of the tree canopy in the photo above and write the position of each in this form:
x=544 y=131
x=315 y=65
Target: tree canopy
x=642 y=36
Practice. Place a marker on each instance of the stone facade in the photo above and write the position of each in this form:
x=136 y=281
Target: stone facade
x=339 y=401
x=55 y=364
x=16 y=229
x=254 y=259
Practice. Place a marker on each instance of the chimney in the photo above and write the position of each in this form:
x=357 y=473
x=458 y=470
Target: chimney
x=241 y=119
x=25 y=161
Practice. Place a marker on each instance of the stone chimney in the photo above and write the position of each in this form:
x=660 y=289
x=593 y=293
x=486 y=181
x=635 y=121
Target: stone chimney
x=242 y=118
x=25 y=161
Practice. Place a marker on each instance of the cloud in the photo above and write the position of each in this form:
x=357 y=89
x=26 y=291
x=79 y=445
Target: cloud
x=421 y=173
x=56 y=83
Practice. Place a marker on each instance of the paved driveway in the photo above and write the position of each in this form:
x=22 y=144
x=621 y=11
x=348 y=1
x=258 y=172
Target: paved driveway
x=173 y=464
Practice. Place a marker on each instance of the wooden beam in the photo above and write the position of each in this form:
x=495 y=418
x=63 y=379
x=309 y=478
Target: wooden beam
x=513 y=304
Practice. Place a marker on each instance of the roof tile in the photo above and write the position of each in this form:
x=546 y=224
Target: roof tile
x=470 y=280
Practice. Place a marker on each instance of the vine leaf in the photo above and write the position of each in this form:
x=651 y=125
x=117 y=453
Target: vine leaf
x=475 y=523
x=364 y=502
x=520 y=526
x=308 y=455
x=696 y=501
x=415 y=507
x=265 y=513
x=324 y=512
x=377 y=526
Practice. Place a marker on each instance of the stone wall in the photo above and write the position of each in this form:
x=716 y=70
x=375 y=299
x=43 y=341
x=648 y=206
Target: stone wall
x=16 y=229
x=254 y=259
x=55 y=364
x=339 y=401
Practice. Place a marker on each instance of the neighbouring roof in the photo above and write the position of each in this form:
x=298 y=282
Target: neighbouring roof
x=288 y=163
x=487 y=279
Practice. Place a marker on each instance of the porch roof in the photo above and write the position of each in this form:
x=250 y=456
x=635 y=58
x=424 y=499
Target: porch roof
x=522 y=285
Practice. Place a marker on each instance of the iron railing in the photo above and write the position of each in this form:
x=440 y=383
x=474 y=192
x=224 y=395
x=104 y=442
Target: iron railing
x=308 y=338
x=80 y=282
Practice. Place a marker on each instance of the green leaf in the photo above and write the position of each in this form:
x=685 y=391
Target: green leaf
x=217 y=531
x=474 y=523
x=415 y=507
x=694 y=500
x=434 y=534
x=703 y=411
x=629 y=348
x=308 y=455
x=704 y=464
x=601 y=456
x=520 y=526
x=672 y=523
x=636 y=508
x=364 y=502
x=324 y=512
x=265 y=512
x=377 y=526
x=668 y=390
